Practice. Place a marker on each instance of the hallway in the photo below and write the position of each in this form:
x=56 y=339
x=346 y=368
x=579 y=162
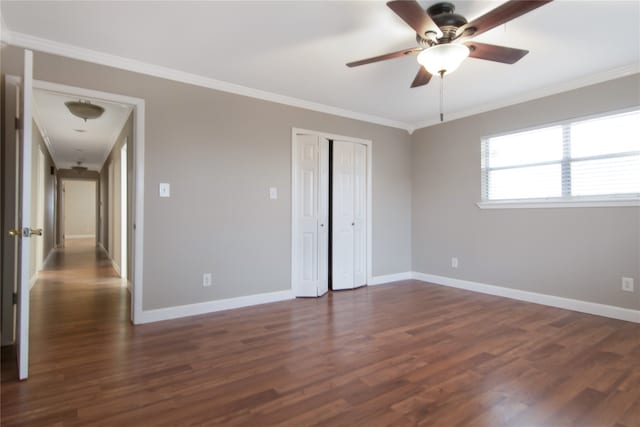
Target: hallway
x=78 y=305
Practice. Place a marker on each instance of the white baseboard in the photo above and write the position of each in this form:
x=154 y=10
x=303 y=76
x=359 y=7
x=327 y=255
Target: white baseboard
x=212 y=306
x=115 y=266
x=33 y=280
x=534 y=297
x=80 y=236
x=46 y=260
x=380 y=280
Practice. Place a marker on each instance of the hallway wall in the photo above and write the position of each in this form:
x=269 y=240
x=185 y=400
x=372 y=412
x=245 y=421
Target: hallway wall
x=47 y=223
x=111 y=222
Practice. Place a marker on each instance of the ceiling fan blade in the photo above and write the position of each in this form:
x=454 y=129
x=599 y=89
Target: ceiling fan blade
x=422 y=78
x=413 y=14
x=500 y=15
x=491 y=52
x=398 y=54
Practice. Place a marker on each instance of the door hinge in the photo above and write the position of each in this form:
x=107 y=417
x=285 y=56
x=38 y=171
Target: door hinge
x=17 y=123
x=14 y=298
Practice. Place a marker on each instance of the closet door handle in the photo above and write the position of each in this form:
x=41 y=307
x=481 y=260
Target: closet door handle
x=353 y=223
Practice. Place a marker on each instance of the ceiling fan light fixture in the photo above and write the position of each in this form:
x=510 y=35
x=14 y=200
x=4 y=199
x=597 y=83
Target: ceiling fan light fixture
x=443 y=59
x=84 y=109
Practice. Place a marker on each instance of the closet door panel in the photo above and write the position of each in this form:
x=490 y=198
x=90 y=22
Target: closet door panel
x=306 y=216
x=343 y=216
x=360 y=215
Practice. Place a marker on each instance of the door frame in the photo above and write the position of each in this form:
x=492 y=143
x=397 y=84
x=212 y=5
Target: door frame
x=62 y=200
x=369 y=205
x=137 y=234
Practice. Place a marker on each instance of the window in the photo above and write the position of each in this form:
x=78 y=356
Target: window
x=583 y=160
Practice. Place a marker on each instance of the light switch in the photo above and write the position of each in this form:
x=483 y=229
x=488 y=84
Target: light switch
x=273 y=193
x=165 y=189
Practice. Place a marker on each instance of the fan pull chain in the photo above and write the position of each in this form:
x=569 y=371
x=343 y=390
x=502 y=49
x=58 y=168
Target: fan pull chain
x=442 y=95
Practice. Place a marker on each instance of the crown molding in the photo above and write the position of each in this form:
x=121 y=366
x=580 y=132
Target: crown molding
x=4 y=31
x=83 y=54
x=554 y=89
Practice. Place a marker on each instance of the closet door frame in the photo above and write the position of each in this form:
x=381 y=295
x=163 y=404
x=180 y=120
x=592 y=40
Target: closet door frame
x=369 y=193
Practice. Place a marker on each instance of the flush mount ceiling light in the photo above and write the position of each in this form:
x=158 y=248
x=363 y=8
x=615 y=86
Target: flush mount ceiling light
x=78 y=167
x=84 y=109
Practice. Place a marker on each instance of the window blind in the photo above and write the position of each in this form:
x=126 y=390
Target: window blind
x=590 y=158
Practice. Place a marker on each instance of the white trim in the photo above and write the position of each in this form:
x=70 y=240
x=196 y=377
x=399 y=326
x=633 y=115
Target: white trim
x=138 y=105
x=79 y=236
x=115 y=266
x=369 y=144
x=83 y=54
x=5 y=33
x=46 y=259
x=168 y=313
x=553 y=89
x=33 y=281
x=387 y=278
x=519 y=204
x=613 y=312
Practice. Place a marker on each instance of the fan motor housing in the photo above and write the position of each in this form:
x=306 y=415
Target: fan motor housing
x=444 y=16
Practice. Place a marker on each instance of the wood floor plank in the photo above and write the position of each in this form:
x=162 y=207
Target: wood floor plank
x=404 y=354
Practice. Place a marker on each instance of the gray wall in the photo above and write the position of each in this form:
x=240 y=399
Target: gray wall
x=221 y=153
x=579 y=253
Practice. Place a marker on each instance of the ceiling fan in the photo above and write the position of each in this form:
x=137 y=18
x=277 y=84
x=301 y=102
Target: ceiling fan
x=444 y=37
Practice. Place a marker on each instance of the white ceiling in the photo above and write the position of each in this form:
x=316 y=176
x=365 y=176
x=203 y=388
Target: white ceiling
x=298 y=49
x=60 y=128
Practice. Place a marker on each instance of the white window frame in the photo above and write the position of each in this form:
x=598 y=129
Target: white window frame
x=566 y=200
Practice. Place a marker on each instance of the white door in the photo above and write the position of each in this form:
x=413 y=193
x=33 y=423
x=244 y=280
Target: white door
x=349 y=215
x=23 y=229
x=343 y=219
x=310 y=212
x=360 y=215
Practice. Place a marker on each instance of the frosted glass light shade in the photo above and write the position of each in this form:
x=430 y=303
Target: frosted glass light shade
x=443 y=57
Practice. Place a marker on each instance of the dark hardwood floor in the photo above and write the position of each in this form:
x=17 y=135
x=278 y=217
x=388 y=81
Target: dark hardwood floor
x=403 y=354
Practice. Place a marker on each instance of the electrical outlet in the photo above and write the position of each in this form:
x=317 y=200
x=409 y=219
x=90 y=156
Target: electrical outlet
x=206 y=279
x=454 y=262
x=627 y=284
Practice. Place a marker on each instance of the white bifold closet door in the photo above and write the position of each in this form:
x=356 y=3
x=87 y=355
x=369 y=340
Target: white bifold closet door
x=311 y=215
x=349 y=239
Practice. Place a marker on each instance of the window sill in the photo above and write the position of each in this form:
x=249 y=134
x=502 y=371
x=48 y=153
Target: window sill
x=537 y=204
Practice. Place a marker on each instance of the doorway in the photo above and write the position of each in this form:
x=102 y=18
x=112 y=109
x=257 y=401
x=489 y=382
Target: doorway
x=13 y=192
x=331 y=212
x=126 y=206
